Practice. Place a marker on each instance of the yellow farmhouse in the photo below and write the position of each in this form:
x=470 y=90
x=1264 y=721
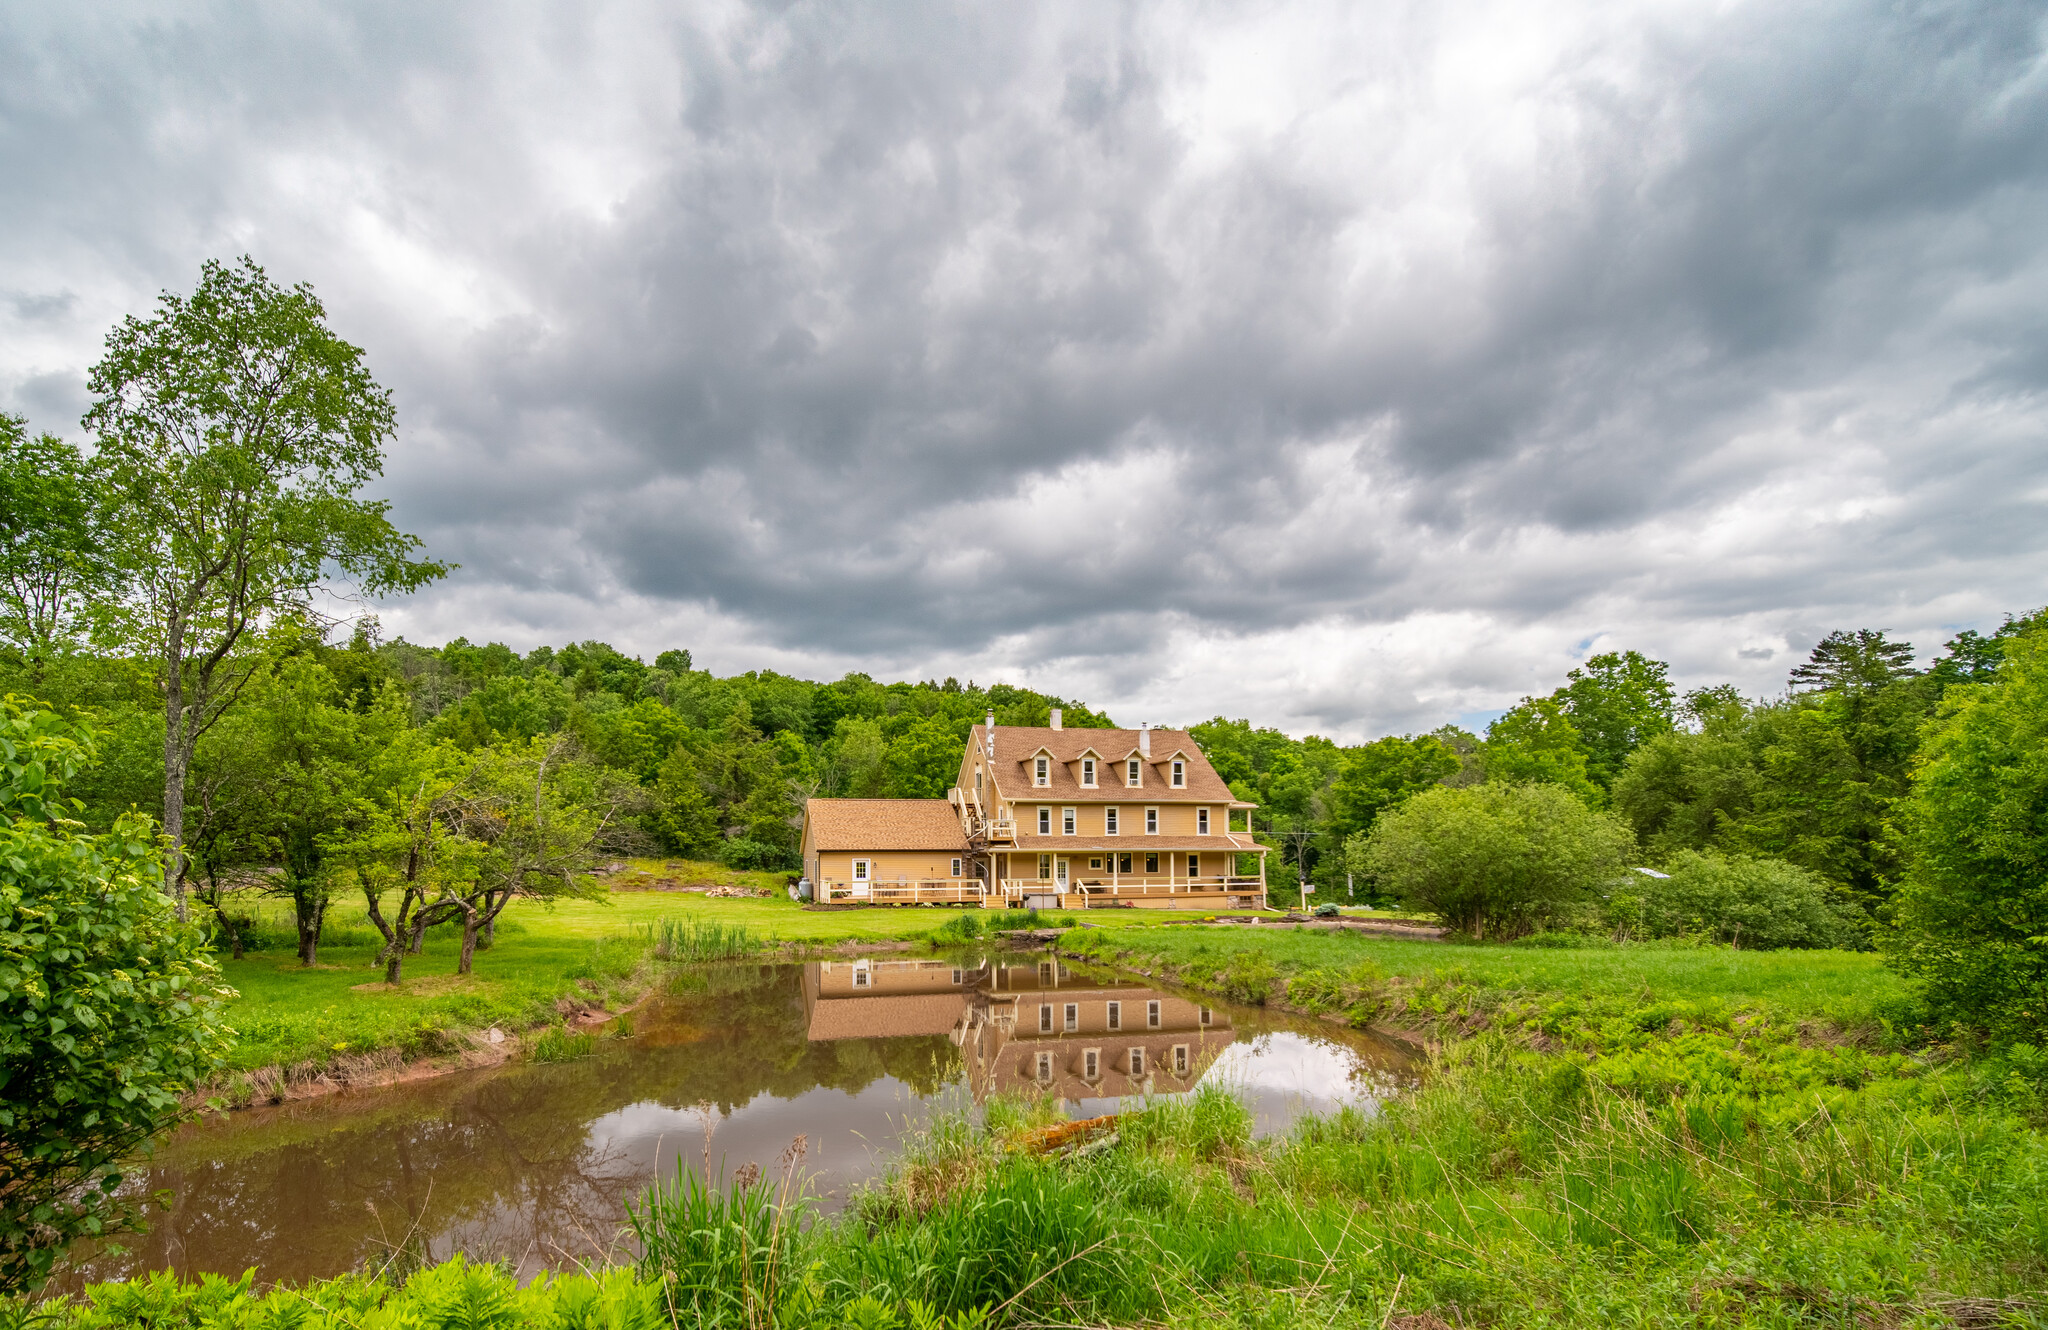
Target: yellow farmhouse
x=1048 y=817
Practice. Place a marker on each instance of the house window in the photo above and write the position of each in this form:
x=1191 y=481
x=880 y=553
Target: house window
x=1152 y=1015
x=1045 y=868
x=1109 y=821
x=1123 y=863
x=1045 y=975
x=1137 y=1062
x=1042 y=771
x=1088 y=772
x=1180 y=774
x=1133 y=774
x=1066 y=821
x=860 y=870
x=956 y=868
x=1073 y=1016
x=1151 y=863
x=1201 y=821
x=1151 y=822
x=1045 y=1068
x=1045 y=821
x=862 y=975
x=1091 y=1064
x=1180 y=1059
x=958 y=976
x=1204 y=1016
x=1045 y=1018
x=977 y=780
x=1116 y=1015
x=1194 y=865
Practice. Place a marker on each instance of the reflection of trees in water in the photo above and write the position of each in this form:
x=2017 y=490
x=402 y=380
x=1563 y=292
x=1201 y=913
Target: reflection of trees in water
x=499 y=1164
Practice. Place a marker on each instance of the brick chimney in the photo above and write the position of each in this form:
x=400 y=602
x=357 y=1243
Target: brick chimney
x=1056 y=718
x=1144 y=739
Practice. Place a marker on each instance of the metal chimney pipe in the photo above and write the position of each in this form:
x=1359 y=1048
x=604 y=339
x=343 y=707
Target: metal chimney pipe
x=1056 y=718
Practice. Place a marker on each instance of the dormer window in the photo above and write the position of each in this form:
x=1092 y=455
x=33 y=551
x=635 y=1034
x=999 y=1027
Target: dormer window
x=1088 y=772
x=1131 y=774
x=1041 y=773
x=1180 y=774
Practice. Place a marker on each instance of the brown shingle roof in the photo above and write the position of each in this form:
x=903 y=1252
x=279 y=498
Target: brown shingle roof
x=884 y=824
x=1016 y=745
x=883 y=1017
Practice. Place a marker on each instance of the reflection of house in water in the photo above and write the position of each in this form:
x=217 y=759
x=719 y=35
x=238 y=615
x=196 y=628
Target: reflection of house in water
x=1024 y=1026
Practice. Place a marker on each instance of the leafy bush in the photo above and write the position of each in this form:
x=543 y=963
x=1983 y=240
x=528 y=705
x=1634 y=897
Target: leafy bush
x=1761 y=904
x=1498 y=859
x=109 y=1007
x=751 y=855
x=1973 y=913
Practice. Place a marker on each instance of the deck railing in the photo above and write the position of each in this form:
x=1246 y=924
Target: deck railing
x=996 y=828
x=1095 y=886
x=912 y=891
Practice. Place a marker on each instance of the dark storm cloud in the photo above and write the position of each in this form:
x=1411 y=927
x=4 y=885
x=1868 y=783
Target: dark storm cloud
x=1103 y=340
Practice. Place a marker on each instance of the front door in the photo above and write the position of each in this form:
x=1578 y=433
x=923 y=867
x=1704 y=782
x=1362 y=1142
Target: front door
x=861 y=869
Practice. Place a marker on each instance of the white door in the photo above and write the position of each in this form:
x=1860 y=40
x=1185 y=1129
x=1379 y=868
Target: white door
x=860 y=879
x=1059 y=873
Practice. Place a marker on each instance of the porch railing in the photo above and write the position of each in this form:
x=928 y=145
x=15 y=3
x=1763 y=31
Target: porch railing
x=913 y=891
x=1096 y=886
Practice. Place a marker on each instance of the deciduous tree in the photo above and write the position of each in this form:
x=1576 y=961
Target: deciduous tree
x=235 y=432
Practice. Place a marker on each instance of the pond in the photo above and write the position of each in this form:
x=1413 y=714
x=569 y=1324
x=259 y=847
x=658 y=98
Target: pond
x=532 y=1163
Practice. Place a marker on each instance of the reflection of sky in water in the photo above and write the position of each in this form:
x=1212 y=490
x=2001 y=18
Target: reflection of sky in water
x=1282 y=1076
x=847 y=1137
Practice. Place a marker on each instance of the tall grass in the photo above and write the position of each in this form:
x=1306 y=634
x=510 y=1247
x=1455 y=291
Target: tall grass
x=694 y=939
x=559 y=1045
x=726 y=1255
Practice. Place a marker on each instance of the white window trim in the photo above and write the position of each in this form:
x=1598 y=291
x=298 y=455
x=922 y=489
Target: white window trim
x=1201 y=821
x=1041 y=772
x=956 y=868
x=1151 y=821
x=1180 y=774
x=1045 y=1018
x=1073 y=1017
x=863 y=870
x=1137 y=1060
x=1091 y=1064
x=1114 y=1011
x=1152 y=1014
x=1045 y=1068
x=1134 y=774
x=1110 y=820
x=1070 y=821
x=1088 y=772
x=1180 y=1059
x=1045 y=819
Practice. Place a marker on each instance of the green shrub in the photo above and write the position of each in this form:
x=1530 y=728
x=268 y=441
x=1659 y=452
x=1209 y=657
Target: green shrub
x=1760 y=904
x=109 y=1007
x=962 y=927
x=1494 y=859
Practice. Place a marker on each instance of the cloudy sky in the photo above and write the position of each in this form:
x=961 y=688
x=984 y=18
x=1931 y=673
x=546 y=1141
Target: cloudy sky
x=1351 y=367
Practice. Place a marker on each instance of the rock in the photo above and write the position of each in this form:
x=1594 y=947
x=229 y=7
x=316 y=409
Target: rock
x=494 y=1035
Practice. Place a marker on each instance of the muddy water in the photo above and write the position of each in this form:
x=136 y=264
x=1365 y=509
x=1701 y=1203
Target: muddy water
x=533 y=1163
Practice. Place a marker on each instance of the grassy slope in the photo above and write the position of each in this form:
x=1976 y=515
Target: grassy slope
x=579 y=950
